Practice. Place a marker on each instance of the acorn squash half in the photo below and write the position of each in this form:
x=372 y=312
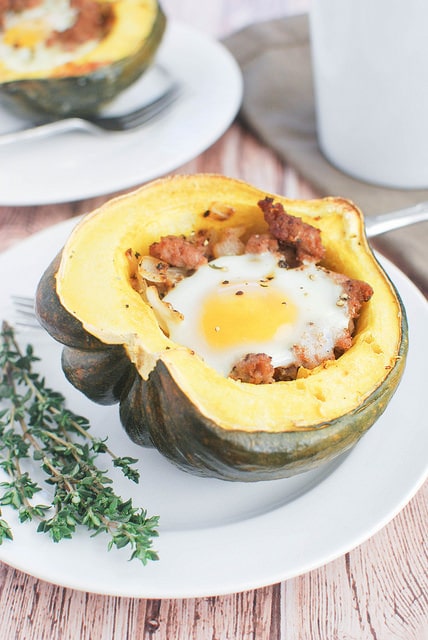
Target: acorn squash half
x=203 y=422
x=83 y=85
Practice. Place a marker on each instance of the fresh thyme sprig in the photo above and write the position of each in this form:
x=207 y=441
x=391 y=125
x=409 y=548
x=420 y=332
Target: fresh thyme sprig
x=36 y=426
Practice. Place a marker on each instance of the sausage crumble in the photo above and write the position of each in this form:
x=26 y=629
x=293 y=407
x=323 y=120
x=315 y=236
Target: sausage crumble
x=93 y=22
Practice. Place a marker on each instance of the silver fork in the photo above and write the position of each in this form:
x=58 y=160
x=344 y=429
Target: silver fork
x=25 y=312
x=96 y=124
x=375 y=225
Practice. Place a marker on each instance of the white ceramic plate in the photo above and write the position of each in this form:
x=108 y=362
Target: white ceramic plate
x=218 y=537
x=79 y=165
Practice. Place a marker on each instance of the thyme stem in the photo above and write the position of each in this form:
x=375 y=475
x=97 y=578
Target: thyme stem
x=35 y=425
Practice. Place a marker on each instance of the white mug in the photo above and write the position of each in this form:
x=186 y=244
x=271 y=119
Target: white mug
x=370 y=63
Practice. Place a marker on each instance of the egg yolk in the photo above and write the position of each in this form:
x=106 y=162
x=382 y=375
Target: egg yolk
x=250 y=314
x=26 y=34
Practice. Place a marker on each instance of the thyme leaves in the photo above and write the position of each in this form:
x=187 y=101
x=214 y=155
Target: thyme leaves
x=39 y=432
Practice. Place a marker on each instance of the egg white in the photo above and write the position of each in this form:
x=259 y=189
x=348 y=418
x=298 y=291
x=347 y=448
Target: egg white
x=318 y=320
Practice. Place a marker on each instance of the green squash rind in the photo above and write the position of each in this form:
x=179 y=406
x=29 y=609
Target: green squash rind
x=135 y=412
x=103 y=376
x=57 y=321
x=81 y=95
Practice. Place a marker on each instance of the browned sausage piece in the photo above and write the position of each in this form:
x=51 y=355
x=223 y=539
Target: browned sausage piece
x=93 y=21
x=260 y=243
x=292 y=231
x=179 y=252
x=18 y=5
x=255 y=368
x=355 y=292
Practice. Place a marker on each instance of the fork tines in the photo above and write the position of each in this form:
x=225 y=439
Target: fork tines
x=139 y=116
x=25 y=311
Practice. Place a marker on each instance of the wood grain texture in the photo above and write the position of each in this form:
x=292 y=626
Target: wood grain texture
x=377 y=591
x=74 y=615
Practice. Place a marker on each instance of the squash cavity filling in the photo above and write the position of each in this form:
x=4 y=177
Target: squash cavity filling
x=257 y=307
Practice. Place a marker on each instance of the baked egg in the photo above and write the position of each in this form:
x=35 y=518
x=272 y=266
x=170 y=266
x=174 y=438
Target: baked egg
x=241 y=304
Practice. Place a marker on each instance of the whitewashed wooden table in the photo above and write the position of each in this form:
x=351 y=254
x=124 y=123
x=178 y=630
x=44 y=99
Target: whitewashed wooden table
x=378 y=591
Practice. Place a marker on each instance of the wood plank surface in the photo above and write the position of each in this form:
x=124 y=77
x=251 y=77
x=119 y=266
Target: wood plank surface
x=378 y=591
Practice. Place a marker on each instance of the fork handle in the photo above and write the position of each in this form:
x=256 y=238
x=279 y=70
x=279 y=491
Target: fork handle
x=376 y=225
x=46 y=130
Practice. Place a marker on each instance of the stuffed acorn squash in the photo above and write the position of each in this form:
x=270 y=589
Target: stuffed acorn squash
x=117 y=349
x=70 y=57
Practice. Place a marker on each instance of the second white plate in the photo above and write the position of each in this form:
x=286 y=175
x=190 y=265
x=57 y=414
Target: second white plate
x=75 y=166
